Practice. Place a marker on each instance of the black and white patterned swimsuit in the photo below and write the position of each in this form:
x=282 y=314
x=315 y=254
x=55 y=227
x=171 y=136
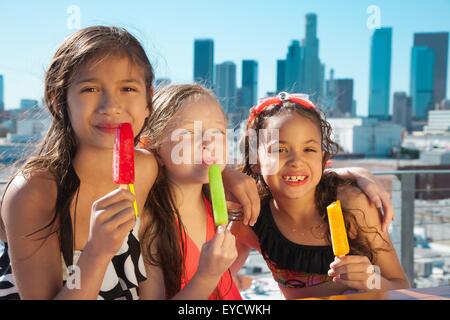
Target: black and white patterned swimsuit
x=122 y=277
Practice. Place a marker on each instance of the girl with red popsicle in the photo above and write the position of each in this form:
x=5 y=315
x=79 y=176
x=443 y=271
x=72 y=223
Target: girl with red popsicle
x=69 y=231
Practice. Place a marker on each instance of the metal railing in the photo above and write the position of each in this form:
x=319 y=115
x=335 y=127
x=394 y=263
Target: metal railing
x=412 y=211
x=409 y=212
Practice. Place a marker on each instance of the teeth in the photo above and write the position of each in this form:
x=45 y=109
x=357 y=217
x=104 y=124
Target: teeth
x=294 y=178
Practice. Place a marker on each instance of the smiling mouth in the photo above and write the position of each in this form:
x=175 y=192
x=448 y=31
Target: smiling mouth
x=294 y=178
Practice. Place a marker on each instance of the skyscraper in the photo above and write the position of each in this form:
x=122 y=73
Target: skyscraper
x=204 y=62
x=225 y=86
x=438 y=42
x=330 y=92
x=281 y=75
x=422 y=84
x=380 y=73
x=402 y=113
x=294 y=68
x=249 y=83
x=2 y=96
x=312 y=66
x=344 y=96
x=321 y=92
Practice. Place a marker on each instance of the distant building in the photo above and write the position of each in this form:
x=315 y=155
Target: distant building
x=344 y=96
x=30 y=126
x=422 y=77
x=435 y=134
x=339 y=97
x=438 y=43
x=27 y=104
x=295 y=68
x=366 y=136
x=435 y=157
x=249 y=83
x=312 y=77
x=204 y=62
x=444 y=105
x=426 y=141
x=438 y=122
x=225 y=87
x=402 y=113
x=380 y=73
x=281 y=76
x=329 y=104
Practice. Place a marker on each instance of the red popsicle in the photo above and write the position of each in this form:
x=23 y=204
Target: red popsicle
x=123 y=160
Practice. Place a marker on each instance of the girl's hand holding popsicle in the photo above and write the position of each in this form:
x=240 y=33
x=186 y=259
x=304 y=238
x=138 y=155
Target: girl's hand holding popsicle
x=353 y=271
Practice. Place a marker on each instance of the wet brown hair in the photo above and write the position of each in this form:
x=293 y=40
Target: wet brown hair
x=166 y=231
x=330 y=182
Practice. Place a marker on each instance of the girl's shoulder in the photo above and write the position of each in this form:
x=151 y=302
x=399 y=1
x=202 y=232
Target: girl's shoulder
x=147 y=160
x=36 y=185
x=29 y=198
x=146 y=165
x=353 y=199
x=350 y=194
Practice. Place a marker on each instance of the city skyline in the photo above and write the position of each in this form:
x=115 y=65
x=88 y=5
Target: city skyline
x=23 y=73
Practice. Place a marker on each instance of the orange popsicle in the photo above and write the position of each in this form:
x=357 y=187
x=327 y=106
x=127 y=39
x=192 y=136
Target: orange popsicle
x=337 y=229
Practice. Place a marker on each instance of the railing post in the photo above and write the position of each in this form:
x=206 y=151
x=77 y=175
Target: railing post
x=408 y=183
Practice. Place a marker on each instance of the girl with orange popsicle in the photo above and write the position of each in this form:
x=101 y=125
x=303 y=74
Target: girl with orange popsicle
x=310 y=252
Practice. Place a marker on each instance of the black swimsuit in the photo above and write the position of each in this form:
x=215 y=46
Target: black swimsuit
x=293 y=265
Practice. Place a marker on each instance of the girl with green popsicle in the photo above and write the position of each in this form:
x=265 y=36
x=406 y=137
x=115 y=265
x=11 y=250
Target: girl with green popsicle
x=186 y=257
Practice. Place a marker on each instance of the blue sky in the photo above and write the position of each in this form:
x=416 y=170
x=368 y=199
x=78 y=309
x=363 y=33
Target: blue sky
x=30 y=31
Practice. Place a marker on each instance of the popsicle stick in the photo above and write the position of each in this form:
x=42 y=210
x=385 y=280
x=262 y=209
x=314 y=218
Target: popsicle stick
x=131 y=188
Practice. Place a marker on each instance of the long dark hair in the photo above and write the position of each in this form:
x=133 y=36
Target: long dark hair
x=56 y=151
x=326 y=190
x=166 y=231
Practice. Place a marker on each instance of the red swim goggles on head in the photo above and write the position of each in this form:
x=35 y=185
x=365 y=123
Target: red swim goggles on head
x=298 y=98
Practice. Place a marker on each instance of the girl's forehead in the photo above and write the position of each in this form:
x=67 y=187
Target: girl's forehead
x=293 y=124
x=110 y=66
x=200 y=109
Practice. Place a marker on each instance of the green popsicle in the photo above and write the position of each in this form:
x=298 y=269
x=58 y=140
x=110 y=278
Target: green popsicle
x=217 y=195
